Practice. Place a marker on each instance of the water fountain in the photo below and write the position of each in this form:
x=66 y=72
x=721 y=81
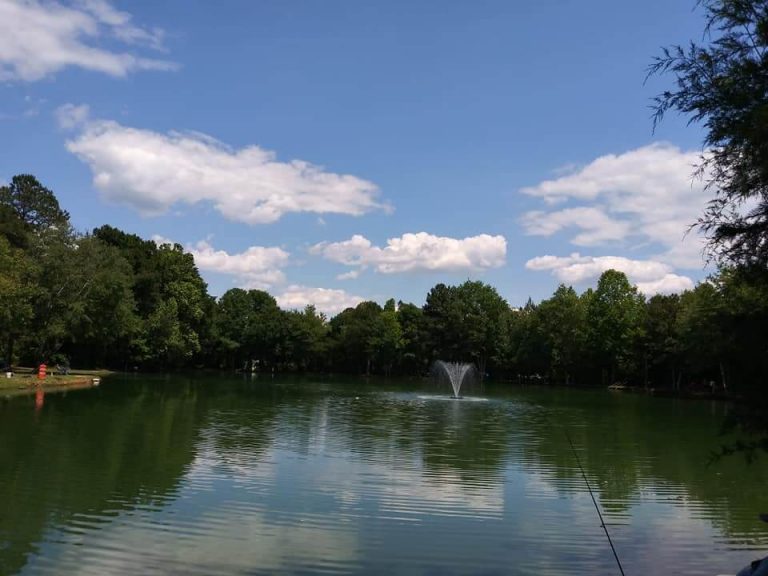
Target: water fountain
x=455 y=373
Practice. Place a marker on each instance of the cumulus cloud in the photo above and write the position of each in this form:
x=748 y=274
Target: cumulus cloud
x=152 y=171
x=38 y=39
x=596 y=226
x=162 y=240
x=668 y=284
x=326 y=300
x=418 y=252
x=257 y=267
x=650 y=276
x=646 y=196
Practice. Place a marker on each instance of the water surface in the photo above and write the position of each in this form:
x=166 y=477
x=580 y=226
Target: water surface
x=224 y=475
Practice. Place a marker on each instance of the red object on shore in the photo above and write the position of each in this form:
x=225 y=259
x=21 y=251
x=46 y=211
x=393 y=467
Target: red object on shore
x=41 y=372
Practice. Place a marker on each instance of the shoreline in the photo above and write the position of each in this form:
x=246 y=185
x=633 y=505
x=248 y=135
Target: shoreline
x=28 y=383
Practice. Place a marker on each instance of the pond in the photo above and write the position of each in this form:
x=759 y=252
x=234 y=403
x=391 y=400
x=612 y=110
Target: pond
x=223 y=475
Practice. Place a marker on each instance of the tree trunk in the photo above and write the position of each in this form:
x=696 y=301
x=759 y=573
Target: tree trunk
x=722 y=375
x=9 y=357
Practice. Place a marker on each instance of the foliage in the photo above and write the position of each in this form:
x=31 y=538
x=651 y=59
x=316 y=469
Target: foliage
x=723 y=84
x=614 y=323
x=562 y=320
x=661 y=340
x=33 y=204
x=466 y=322
x=17 y=293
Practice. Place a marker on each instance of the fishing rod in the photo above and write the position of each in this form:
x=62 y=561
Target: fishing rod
x=594 y=501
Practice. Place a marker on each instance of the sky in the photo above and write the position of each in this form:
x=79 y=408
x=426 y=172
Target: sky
x=346 y=150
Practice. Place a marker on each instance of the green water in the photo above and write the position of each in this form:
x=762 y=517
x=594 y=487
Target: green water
x=224 y=475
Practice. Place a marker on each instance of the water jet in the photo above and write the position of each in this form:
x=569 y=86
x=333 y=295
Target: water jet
x=454 y=373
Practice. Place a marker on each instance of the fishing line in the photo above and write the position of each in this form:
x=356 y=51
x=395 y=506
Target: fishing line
x=594 y=501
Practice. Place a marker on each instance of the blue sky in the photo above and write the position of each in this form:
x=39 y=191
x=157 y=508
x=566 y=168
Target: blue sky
x=343 y=150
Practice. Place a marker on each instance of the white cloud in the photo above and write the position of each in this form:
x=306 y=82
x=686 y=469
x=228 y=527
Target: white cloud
x=351 y=275
x=646 y=196
x=669 y=284
x=650 y=276
x=597 y=227
x=38 y=39
x=162 y=240
x=70 y=116
x=256 y=267
x=151 y=172
x=326 y=300
x=420 y=251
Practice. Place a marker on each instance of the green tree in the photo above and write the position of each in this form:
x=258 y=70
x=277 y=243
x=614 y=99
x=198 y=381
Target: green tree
x=743 y=318
x=466 y=323
x=12 y=228
x=233 y=311
x=103 y=322
x=615 y=319
x=82 y=296
x=34 y=204
x=18 y=289
x=411 y=320
x=699 y=332
x=483 y=315
x=251 y=328
x=355 y=334
x=142 y=255
x=662 y=345
x=173 y=328
x=388 y=342
x=442 y=319
x=306 y=338
x=562 y=319
x=264 y=330
x=529 y=354
x=723 y=84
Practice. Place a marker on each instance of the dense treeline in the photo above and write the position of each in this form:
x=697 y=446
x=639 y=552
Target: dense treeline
x=112 y=299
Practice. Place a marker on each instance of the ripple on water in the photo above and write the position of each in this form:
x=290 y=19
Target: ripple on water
x=265 y=479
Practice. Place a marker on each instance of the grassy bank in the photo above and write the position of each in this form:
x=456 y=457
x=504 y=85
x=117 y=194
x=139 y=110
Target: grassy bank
x=25 y=381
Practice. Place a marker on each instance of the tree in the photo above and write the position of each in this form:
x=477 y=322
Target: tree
x=355 y=333
x=264 y=328
x=173 y=327
x=82 y=297
x=143 y=258
x=662 y=345
x=562 y=320
x=232 y=317
x=529 y=352
x=13 y=228
x=34 y=204
x=411 y=320
x=700 y=331
x=483 y=315
x=306 y=338
x=614 y=317
x=724 y=86
x=466 y=323
x=388 y=342
x=17 y=292
x=102 y=321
